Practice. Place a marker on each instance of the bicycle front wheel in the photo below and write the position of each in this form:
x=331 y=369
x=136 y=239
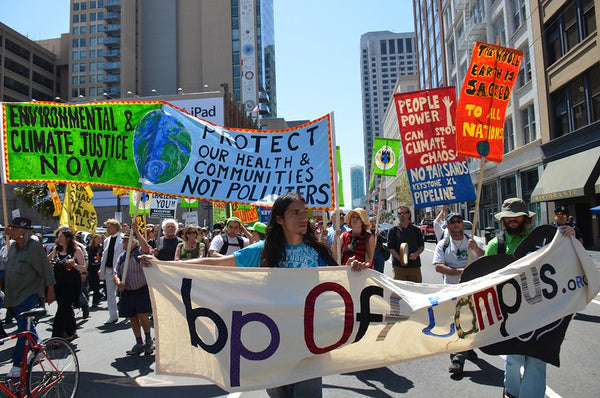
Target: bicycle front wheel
x=53 y=372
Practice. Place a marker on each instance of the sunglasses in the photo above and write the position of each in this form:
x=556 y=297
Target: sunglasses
x=192 y=233
x=455 y=221
x=403 y=212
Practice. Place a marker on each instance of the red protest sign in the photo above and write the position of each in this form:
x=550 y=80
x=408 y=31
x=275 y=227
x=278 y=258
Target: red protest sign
x=483 y=100
x=427 y=126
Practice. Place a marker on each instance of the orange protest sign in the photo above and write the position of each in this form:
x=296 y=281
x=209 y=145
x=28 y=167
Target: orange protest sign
x=483 y=100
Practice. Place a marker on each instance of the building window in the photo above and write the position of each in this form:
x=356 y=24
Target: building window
x=572 y=24
x=508 y=187
x=577 y=104
x=509 y=136
x=383 y=47
x=499 y=30
x=528 y=124
x=75 y=18
x=520 y=14
x=525 y=69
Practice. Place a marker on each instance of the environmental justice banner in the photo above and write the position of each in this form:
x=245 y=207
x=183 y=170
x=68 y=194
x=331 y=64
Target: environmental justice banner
x=158 y=148
x=436 y=173
x=77 y=210
x=484 y=97
x=253 y=328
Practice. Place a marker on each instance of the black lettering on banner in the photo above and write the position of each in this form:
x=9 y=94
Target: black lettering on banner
x=506 y=309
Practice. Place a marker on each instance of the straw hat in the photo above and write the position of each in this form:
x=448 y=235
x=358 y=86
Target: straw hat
x=362 y=213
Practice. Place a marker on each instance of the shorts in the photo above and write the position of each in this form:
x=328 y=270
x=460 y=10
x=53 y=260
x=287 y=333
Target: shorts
x=134 y=302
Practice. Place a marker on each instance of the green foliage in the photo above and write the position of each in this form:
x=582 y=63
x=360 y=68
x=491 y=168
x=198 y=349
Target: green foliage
x=386 y=216
x=37 y=196
x=403 y=193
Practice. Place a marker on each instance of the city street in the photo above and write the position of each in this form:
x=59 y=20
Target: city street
x=107 y=371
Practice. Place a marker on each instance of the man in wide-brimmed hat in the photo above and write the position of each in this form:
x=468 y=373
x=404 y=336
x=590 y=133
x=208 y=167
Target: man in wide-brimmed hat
x=516 y=219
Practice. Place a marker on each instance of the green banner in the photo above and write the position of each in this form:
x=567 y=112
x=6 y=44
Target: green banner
x=189 y=203
x=340 y=179
x=385 y=156
x=85 y=143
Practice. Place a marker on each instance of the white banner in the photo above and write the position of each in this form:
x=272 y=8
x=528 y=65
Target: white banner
x=163 y=206
x=247 y=329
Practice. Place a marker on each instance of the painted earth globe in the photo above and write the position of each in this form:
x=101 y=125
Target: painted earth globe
x=161 y=147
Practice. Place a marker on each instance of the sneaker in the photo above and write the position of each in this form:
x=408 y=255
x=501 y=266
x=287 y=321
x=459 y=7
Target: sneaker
x=149 y=347
x=15 y=372
x=456 y=367
x=111 y=320
x=137 y=349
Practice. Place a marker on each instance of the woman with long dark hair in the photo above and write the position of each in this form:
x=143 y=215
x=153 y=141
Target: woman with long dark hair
x=69 y=263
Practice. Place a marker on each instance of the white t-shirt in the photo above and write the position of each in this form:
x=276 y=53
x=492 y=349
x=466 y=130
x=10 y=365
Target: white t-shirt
x=217 y=243
x=455 y=256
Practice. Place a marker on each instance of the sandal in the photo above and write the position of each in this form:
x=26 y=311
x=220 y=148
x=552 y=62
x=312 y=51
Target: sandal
x=72 y=337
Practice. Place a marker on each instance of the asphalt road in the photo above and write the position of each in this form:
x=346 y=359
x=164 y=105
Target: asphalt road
x=107 y=371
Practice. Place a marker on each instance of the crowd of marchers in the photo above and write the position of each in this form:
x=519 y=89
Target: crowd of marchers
x=81 y=271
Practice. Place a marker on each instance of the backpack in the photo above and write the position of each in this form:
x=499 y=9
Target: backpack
x=447 y=242
x=225 y=246
x=501 y=244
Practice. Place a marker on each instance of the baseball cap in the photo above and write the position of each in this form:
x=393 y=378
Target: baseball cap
x=453 y=215
x=561 y=210
x=258 y=227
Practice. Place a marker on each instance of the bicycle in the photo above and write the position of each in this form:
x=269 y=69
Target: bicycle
x=50 y=368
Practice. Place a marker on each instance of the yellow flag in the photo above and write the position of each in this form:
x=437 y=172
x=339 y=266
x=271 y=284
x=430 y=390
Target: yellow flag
x=55 y=198
x=78 y=211
x=120 y=191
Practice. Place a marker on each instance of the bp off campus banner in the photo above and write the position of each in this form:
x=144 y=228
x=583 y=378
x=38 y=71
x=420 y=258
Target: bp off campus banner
x=436 y=173
x=334 y=320
x=483 y=101
x=154 y=147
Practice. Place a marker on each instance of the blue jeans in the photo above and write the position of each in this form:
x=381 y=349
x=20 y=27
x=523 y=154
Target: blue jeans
x=312 y=388
x=27 y=304
x=378 y=262
x=533 y=383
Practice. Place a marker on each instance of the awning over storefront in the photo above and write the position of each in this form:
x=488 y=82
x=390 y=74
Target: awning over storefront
x=567 y=177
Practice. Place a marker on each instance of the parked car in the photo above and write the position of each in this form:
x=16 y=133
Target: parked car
x=48 y=241
x=426 y=227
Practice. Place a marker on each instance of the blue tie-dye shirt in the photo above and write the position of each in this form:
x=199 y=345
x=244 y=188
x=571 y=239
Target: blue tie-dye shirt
x=296 y=256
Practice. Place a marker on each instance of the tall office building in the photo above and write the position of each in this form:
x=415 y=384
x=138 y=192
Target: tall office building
x=357 y=186
x=131 y=48
x=385 y=56
x=429 y=35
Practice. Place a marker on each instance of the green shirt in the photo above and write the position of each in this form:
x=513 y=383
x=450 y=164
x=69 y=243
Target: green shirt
x=28 y=272
x=512 y=242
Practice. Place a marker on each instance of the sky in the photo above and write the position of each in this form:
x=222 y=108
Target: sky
x=317 y=55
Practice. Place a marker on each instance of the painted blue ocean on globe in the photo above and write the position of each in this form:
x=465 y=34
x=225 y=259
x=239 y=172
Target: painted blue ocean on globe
x=161 y=147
